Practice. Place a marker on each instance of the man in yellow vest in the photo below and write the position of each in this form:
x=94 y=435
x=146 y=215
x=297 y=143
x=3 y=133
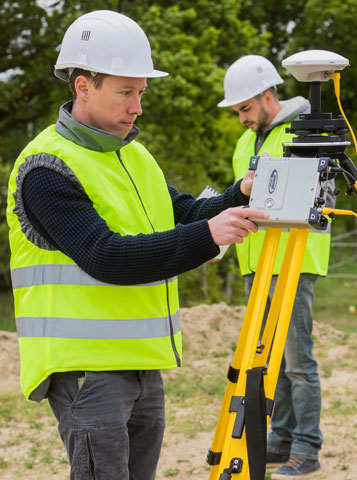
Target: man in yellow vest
x=97 y=240
x=295 y=438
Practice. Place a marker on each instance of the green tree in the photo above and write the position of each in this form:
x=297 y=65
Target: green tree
x=278 y=19
x=327 y=25
x=4 y=244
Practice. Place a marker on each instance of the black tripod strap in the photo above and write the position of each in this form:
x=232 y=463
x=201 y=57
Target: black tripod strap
x=256 y=423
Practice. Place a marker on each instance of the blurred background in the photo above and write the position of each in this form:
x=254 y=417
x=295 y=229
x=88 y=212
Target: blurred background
x=191 y=139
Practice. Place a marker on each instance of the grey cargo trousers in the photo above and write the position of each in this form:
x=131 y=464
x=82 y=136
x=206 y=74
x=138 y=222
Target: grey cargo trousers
x=111 y=423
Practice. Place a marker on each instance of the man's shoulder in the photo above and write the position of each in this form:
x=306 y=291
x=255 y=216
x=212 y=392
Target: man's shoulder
x=134 y=145
x=44 y=137
x=247 y=136
x=291 y=109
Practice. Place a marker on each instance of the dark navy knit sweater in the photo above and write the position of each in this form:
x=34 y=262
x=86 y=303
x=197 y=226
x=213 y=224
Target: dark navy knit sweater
x=67 y=219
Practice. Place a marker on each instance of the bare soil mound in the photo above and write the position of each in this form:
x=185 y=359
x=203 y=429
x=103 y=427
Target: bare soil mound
x=194 y=395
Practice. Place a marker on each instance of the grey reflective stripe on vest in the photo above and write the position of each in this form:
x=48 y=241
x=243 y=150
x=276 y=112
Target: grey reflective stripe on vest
x=94 y=329
x=60 y=275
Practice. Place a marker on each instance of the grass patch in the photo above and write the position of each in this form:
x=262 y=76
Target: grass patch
x=193 y=424
x=330 y=454
x=192 y=387
x=340 y=407
x=14 y=407
x=171 y=472
x=30 y=443
x=325 y=371
x=333 y=296
x=3 y=463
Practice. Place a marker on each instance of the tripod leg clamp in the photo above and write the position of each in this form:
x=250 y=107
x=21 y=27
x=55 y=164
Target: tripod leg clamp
x=213 y=458
x=232 y=374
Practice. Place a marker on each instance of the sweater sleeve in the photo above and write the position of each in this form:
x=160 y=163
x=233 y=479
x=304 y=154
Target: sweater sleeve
x=187 y=209
x=68 y=220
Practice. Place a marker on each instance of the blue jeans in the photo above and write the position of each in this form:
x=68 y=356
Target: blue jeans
x=295 y=424
x=111 y=423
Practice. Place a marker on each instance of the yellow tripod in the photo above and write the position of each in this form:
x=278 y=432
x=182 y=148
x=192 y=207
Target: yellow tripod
x=257 y=360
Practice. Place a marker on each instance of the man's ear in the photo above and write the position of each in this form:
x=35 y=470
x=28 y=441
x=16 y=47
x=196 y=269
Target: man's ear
x=82 y=85
x=267 y=98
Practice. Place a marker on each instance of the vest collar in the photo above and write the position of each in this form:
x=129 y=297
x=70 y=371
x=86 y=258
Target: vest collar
x=87 y=136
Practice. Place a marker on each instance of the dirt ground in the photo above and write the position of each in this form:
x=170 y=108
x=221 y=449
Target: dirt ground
x=210 y=333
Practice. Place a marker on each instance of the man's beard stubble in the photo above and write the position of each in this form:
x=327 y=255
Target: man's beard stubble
x=262 y=121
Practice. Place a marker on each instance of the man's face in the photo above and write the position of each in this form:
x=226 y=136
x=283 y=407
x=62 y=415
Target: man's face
x=114 y=106
x=253 y=114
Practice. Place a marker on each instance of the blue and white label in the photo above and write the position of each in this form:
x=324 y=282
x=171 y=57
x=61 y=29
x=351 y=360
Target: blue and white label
x=273 y=181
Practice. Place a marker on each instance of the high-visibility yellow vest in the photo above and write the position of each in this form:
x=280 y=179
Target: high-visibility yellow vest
x=317 y=251
x=66 y=319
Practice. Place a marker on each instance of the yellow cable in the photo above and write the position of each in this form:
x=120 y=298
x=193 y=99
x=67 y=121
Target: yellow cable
x=336 y=211
x=336 y=81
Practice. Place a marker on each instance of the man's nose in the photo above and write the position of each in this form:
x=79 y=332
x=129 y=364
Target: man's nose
x=242 y=117
x=135 y=105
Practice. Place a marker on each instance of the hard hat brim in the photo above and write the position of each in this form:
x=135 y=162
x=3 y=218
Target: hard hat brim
x=62 y=73
x=225 y=103
x=240 y=99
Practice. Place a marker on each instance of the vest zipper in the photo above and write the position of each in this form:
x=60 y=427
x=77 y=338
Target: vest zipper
x=174 y=348
x=177 y=356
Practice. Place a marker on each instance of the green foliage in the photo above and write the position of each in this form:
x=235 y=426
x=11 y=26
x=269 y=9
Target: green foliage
x=278 y=19
x=29 y=37
x=337 y=312
x=328 y=25
x=4 y=245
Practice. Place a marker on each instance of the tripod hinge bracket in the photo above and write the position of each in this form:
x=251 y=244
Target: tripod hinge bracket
x=213 y=458
x=237 y=405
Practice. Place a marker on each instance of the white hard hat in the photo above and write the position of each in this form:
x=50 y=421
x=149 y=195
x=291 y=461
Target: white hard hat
x=106 y=42
x=247 y=77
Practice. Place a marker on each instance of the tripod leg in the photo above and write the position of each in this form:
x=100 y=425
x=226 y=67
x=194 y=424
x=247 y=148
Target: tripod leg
x=285 y=291
x=287 y=282
x=227 y=445
x=247 y=339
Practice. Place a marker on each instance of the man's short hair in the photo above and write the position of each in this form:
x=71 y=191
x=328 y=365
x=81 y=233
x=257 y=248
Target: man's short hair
x=273 y=90
x=96 y=78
